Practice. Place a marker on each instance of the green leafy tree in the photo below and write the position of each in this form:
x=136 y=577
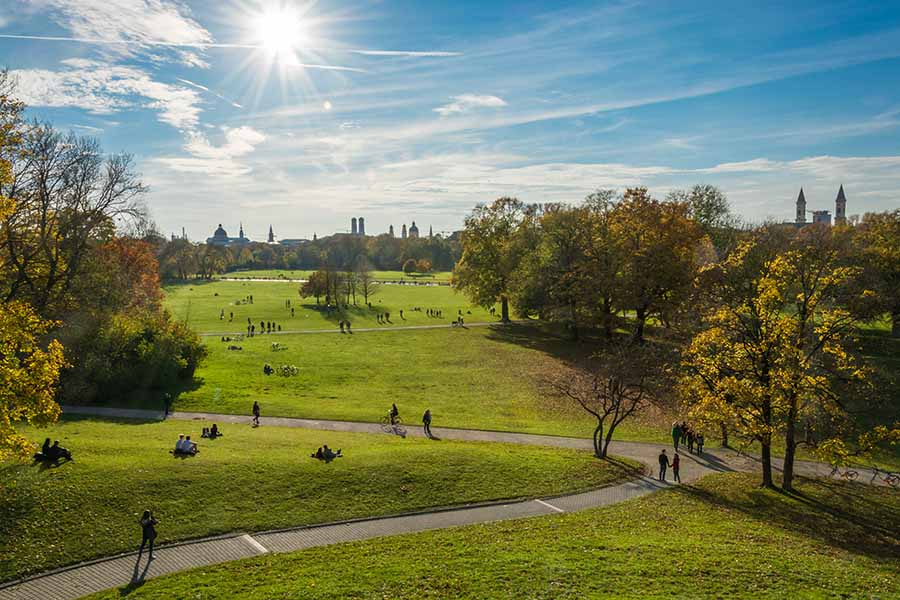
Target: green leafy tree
x=490 y=254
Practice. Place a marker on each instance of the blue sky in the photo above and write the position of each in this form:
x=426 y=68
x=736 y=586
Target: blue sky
x=303 y=114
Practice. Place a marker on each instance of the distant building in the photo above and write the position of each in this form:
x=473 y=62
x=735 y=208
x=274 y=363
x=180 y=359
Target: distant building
x=293 y=242
x=220 y=238
x=391 y=231
x=413 y=231
x=403 y=232
x=821 y=216
x=353 y=226
x=362 y=226
x=271 y=235
x=430 y=232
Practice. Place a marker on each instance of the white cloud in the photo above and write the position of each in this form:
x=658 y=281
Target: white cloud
x=467 y=102
x=103 y=89
x=130 y=21
x=209 y=159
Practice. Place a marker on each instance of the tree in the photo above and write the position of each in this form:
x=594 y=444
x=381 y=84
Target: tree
x=489 y=253
x=366 y=282
x=612 y=392
x=409 y=267
x=29 y=374
x=423 y=265
x=774 y=341
x=69 y=197
x=179 y=258
x=209 y=260
x=878 y=251
x=709 y=208
x=316 y=285
x=658 y=243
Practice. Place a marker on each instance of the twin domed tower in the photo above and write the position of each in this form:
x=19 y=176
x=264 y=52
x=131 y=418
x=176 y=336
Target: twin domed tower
x=823 y=216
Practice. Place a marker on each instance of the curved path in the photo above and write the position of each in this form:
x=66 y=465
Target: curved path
x=129 y=569
x=359 y=330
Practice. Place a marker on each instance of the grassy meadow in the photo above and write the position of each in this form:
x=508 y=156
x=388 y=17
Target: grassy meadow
x=441 y=276
x=249 y=480
x=201 y=303
x=722 y=537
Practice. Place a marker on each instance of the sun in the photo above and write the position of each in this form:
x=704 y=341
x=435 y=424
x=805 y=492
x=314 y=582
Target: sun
x=280 y=31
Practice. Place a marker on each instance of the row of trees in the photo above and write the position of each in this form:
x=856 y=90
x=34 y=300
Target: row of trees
x=764 y=319
x=182 y=259
x=81 y=303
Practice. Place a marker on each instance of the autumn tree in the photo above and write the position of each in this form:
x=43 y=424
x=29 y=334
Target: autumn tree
x=878 y=252
x=708 y=206
x=658 y=242
x=409 y=267
x=316 y=285
x=489 y=253
x=774 y=340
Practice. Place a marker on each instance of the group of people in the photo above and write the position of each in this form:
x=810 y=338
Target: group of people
x=211 y=432
x=327 y=454
x=185 y=447
x=664 y=464
x=345 y=326
x=52 y=452
x=383 y=318
x=684 y=434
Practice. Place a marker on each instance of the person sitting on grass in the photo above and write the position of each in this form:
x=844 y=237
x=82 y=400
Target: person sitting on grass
x=318 y=454
x=214 y=431
x=189 y=446
x=330 y=454
x=57 y=452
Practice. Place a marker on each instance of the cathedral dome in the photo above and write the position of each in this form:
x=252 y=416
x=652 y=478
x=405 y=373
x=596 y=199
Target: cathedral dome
x=220 y=234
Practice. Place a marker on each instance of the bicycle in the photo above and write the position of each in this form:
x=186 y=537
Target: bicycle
x=891 y=479
x=846 y=475
x=393 y=425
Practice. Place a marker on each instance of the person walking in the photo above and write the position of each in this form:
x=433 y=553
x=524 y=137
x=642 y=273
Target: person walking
x=676 y=434
x=699 y=444
x=148 y=532
x=663 y=465
x=255 y=413
x=676 y=463
x=426 y=422
x=167 y=398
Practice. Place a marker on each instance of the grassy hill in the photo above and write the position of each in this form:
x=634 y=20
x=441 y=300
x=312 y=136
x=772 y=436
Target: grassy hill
x=250 y=480
x=720 y=538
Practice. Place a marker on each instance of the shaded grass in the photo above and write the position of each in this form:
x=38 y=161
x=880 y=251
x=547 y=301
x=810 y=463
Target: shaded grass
x=720 y=538
x=443 y=276
x=250 y=480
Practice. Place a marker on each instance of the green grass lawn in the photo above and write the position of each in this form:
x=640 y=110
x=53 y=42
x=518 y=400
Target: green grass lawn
x=303 y=274
x=720 y=538
x=249 y=480
x=479 y=378
x=200 y=304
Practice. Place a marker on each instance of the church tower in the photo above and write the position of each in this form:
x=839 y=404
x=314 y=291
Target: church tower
x=430 y=232
x=801 y=208
x=361 y=230
x=241 y=231
x=391 y=230
x=840 y=208
x=271 y=235
x=403 y=232
x=353 y=226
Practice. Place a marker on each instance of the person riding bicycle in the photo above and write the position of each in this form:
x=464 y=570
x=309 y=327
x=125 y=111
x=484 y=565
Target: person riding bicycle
x=394 y=414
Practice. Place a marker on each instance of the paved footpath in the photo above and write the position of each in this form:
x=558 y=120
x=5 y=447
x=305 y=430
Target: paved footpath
x=130 y=569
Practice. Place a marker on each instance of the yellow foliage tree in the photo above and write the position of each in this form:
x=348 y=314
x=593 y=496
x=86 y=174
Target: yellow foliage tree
x=774 y=342
x=28 y=373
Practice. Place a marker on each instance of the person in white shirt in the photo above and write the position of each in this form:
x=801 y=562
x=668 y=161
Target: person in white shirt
x=189 y=446
x=179 y=445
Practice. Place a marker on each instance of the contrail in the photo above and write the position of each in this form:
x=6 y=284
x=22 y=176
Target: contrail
x=203 y=45
x=206 y=89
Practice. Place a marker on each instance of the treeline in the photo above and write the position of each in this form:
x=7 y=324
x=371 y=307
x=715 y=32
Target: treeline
x=70 y=272
x=759 y=324
x=182 y=259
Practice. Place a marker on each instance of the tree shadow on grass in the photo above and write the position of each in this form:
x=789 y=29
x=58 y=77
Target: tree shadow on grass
x=851 y=516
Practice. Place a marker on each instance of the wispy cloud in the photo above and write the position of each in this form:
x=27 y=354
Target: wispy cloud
x=467 y=102
x=217 y=160
x=209 y=91
x=101 y=88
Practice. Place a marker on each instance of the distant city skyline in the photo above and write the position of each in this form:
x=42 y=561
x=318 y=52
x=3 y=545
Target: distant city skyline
x=304 y=115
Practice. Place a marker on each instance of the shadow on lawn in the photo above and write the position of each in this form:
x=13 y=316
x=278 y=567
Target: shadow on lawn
x=850 y=516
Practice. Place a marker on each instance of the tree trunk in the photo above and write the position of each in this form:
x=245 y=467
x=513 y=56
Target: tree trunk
x=607 y=318
x=895 y=327
x=638 y=335
x=790 y=447
x=504 y=309
x=599 y=451
x=609 y=434
x=767 y=465
x=724 y=435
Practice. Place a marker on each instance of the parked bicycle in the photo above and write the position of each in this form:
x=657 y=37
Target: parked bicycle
x=886 y=477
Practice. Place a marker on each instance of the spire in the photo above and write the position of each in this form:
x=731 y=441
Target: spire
x=801 y=207
x=271 y=235
x=430 y=232
x=241 y=232
x=840 y=208
x=840 y=196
